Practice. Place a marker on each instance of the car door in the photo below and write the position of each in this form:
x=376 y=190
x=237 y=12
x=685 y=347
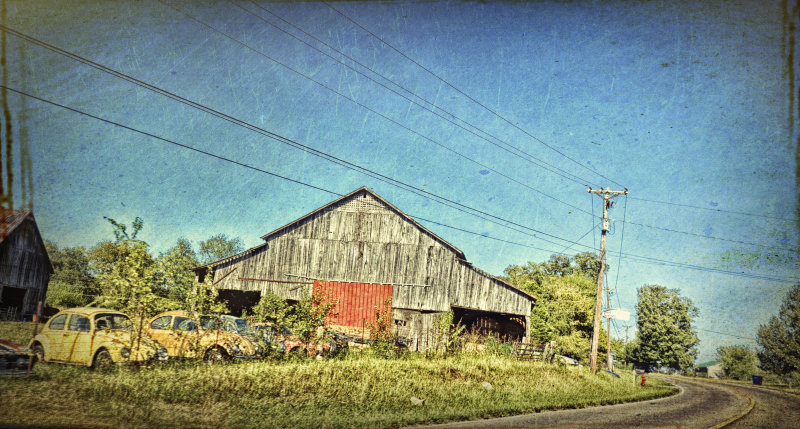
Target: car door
x=187 y=336
x=160 y=329
x=79 y=331
x=56 y=333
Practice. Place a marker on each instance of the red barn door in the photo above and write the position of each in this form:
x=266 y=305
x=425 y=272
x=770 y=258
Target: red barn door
x=355 y=302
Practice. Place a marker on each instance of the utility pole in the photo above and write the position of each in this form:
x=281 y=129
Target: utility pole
x=609 y=360
x=626 y=332
x=607 y=195
x=627 y=326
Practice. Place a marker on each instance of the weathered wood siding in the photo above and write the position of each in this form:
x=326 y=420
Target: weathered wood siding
x=363 y=240
x=471 y=288
x=24 y=264
x=419 y=327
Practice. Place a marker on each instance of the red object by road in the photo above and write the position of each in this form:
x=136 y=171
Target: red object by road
x=643 y=379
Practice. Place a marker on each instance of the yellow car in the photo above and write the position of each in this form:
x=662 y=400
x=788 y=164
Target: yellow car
x=95 y=337
x=189 y=336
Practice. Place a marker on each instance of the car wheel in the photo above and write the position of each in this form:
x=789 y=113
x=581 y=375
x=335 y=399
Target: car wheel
x=102 y=361
x=214 y=355
x=38 y=353
x=298 y=353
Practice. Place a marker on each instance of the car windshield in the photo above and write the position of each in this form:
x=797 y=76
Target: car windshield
x=209 y=322
x=236 y=324
x=111 y=321
x=229 y=323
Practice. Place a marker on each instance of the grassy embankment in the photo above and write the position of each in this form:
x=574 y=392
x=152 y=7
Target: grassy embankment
x=351 y=392
x=770 y=381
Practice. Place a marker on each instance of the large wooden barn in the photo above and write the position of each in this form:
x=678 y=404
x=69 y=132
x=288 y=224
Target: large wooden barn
x=361 y=250
x=25 y=268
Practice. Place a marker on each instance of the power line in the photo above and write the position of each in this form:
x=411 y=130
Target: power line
x=410 y=130
x=517 y=151
x=621 y=240
x=117 y=124
x=535 y=138
x=353 y=166
x=402 y=185
x=579 y=239
x=725 y=333
x=440 y=144
x=716 y=210
x=493 y=112
x=655 y=261
x=710 y=237
x=637 y=258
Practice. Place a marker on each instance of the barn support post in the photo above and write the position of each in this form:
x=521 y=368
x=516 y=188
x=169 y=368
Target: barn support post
x=527 y=329
x=35 y=331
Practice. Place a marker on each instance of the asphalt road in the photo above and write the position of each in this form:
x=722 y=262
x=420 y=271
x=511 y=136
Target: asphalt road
x=698 y=404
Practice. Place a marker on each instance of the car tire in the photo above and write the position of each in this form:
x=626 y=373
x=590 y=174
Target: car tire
x=298 y=353
x=215 y=355
x=38 y=353
x=102 y=361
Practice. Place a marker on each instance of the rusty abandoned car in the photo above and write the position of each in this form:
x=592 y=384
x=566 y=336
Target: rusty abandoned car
x=188 y=336
x=95 y=337
x=14 y=358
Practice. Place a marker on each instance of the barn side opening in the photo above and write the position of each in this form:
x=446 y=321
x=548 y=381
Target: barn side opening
x=12 y=302
x=508 y=327
x=239 y=300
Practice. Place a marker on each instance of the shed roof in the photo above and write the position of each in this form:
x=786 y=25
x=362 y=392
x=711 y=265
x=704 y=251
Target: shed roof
x=12 y=219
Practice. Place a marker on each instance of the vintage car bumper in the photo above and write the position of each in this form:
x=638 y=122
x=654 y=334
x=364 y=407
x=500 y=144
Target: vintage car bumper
x=14 y=358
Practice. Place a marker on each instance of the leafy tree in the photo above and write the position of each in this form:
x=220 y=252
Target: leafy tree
x=174 y=269
x=381 y=330
x=310 y=313
x=779 y=339
x=272 y=308
x=126 y=272
x=565 y=288
x=203 y=298
x=664 y=328
x=121 y=230
x=588 y=264
x=738 y=362
x=219 y=247
x=72 y=283
x=303 y=317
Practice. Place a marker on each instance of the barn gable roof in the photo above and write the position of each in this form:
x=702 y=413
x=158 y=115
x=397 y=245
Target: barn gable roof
x=355 y=194
x=352 y=195
x=10 y=220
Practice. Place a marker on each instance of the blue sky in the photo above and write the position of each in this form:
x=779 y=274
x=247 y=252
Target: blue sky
x=681 y=102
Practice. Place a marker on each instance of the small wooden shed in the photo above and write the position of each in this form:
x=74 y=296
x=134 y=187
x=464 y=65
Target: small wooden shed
x=361 y=251
x=25 y=267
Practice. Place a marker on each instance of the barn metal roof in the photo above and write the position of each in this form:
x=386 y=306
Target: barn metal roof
x=357 y=192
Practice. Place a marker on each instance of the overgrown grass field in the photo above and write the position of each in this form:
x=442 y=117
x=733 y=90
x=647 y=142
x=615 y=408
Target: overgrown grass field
x=351 y=392
x=18 y=332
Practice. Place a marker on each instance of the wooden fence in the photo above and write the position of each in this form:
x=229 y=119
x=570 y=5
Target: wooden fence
x=530 y=351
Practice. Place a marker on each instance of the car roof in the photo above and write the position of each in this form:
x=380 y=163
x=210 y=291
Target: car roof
x=90 y=311
x=182 y=313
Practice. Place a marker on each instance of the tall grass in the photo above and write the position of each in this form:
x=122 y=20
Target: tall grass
x=18 y=332
x=351 y=392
